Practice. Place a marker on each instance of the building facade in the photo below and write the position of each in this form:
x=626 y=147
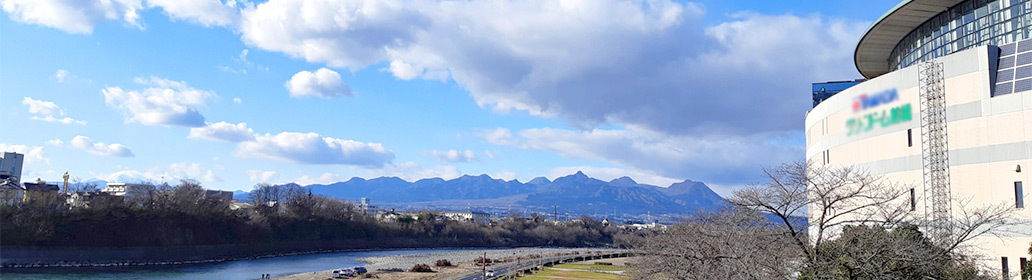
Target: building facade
x=11 y=168
x=134 y=194
x=949 y=83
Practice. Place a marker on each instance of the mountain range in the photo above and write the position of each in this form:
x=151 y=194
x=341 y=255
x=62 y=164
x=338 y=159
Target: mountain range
x=575 y=194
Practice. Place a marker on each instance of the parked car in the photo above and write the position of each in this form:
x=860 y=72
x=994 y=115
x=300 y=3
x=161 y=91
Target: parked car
x=336 y=273
x=360 y=270
x=347 y=272
x=490 y=273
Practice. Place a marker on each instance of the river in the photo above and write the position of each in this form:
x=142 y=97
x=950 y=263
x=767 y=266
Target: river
x=241 y=269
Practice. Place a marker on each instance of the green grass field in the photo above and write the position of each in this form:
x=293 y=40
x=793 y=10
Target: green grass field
x=579 y=271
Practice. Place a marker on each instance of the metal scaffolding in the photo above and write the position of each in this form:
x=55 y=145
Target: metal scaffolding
x=935 y=151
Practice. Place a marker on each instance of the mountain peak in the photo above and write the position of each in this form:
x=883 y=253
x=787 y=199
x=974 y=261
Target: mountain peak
x=539 y=181
x=623 y=182
x=687 y=186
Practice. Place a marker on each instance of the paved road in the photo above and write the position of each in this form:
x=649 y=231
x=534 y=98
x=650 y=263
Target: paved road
x=501 y=270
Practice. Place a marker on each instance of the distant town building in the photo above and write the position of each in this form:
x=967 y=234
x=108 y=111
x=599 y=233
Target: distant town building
x=224 y=195
x=11 y=191
x=476 y=217
x=366 y=206
x=130 y=193
x=39 y=192
x=243 y=206
x=10 y=194
x=129 y=190
x=92 y=199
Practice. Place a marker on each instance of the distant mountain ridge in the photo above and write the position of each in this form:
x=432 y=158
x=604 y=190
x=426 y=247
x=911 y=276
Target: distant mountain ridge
x=576 y=193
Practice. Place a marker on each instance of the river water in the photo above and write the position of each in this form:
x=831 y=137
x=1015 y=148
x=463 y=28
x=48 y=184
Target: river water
x=241 y=269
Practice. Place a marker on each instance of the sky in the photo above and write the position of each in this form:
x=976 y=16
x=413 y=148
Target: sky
x=235 y=93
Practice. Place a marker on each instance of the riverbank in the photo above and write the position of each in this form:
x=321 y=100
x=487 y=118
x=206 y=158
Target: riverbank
x=462 y=259
x=43 y=257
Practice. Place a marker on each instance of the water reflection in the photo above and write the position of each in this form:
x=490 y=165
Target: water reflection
x=242 y=269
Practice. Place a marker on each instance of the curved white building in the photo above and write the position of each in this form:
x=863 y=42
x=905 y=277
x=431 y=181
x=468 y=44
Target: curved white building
x=983 y=135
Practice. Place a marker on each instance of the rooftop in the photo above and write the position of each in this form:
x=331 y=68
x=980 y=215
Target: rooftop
x=872 y=53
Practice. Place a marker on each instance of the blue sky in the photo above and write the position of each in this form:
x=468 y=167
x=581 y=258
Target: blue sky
x=234 y=93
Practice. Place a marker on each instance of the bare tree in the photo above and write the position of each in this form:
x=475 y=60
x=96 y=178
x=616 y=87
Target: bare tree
x=849 y=196
x=834 y=197
x=78 y=185
x=731 y=244
x=970 y=222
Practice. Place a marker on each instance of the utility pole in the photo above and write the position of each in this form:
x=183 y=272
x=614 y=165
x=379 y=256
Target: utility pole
x=483 y=263
x=555 y=213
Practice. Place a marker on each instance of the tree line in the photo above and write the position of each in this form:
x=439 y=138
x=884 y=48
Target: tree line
x=182 y=215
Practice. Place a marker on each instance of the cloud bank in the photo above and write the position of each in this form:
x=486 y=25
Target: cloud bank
x=163 y=102
x=46 y=111
x=223 y=131
x=312 y=148
x=99 y=148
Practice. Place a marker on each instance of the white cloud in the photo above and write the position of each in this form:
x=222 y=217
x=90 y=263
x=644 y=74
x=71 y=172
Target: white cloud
x=258 y=176
x=325 y=178
x=64 y=76
x=454 y=156
x=223 y=131
x=498 y=136
x=323 y=83
x=65 y=120
x=489 y=154
x=61 y=75
x=41 y=107
x=349 y=34
x=205 y=12
x=650 y=64
x=45 y=111
x=164 y=102
x=99 y=148
x=312 y=148
x=55 y=142
x=78 y=17
x=711 y=159
x=412 y=171
x=171 y=174
x=237 y=100
x=243 y=64
x=504 y=175
x=33 y=154
x=609 y=173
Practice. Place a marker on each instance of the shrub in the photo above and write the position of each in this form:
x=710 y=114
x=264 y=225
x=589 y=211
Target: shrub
x=603 y=263
x=443 y=263
x=390 y=270
x=482 y=260
x=421 y=268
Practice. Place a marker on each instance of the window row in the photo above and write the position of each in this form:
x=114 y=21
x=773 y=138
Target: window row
x=969 y=24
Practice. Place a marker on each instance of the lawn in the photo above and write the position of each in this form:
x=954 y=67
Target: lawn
x=578 y=271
